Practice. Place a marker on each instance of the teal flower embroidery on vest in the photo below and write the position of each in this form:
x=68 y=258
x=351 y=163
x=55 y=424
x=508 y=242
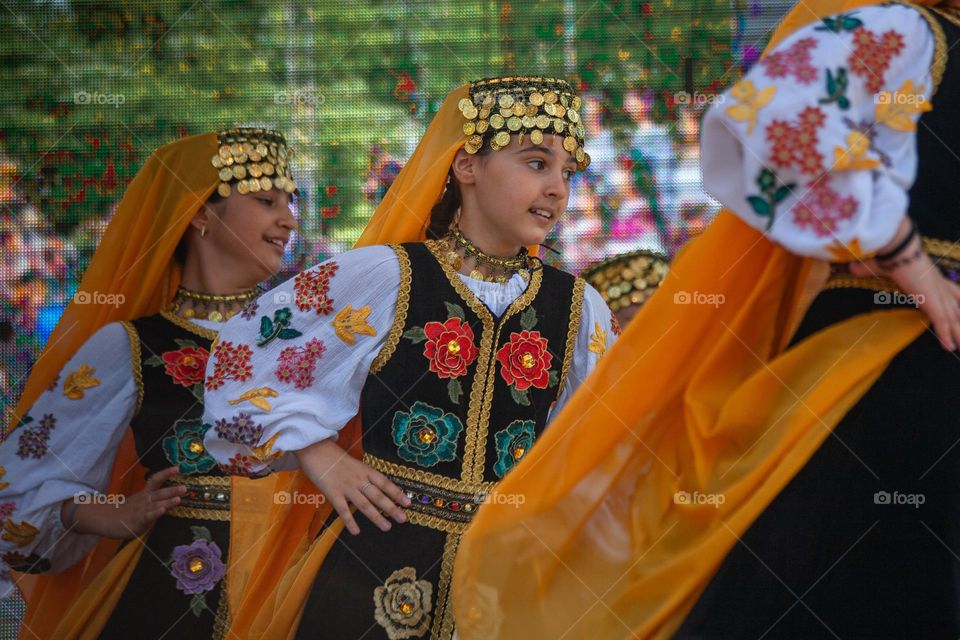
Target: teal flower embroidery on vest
x=185 y=447
x=512 y=444
x=426 y=435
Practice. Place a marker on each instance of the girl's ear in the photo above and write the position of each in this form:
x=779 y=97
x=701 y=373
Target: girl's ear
x=465 y=167
x=204 y=216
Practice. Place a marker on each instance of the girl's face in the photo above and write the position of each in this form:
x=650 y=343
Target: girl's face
x=515 y=196
x=246 y=238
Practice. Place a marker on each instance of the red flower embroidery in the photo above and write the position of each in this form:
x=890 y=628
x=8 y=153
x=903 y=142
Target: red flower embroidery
x=296 y=364
x=312 y=287
x=240 y=465
x=615 y=324
x=187 y=365
x=821 y=208
x=796 y=144
x=449 y=347
x=872 y=55
x=231 y=363
x=525 y=360
x=794 y=61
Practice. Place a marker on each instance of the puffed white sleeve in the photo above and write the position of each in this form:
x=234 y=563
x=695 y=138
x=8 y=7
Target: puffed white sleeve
x=597 y=333
x=816 y=145
x=288 y=371
x=64 y=448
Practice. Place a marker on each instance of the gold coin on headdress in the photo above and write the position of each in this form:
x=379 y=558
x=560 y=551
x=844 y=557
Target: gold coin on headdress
x=468 y=128
x=216 y=161
x=267 y=168
x=247 y=148
x=536 y=98
x=262 y=149
x=514 y=124
x=564 y=101
x=488 y=100
x=519 y=109
x=464 y=103
x=536 y=136
x=239 y=172
x=558 y=124
x=254 y=185
x=550 y=109
x=506 y=113
x=528 y=122
x=550 y=97
x=482 y=126
x=226 y=174
x=561 y=110
x=532 y=110
x=470 y=112
x=580 y=130
x=242 y=158
x=255 y=157
x=484 y=113
x=573 y=116
x=476 y=141
x=224 y=189
x=505 y=101
x=266 y=184
x=236 y=149
x=570 y=144
x=502 y=138
x=543 y=121
x=580 y=155
x=576 y=102
x=228 y=161
x=242 y=187
x=497 y=121
x=255 y=170
x=224 y=151
x=494 y=145
x=586 y=161
x=282 y=153
x=289 y=186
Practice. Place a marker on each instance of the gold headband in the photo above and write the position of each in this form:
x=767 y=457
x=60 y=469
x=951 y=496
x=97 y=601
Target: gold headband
x=627 y=279
x=524 y=105
x=253 y=159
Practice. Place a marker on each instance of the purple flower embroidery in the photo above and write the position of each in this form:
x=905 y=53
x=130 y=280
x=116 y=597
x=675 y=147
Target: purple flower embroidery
x=250 y=310
x=33 y=440
x=6 y=510
x=197 y=567
x=241 y=429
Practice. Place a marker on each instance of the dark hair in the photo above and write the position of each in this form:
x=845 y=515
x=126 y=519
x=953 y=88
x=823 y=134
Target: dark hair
x=180 y=253
x=441 y=216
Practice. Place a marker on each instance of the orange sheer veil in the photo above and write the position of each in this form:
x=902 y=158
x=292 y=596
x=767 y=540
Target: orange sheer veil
x=134 y=260
x=692 y=398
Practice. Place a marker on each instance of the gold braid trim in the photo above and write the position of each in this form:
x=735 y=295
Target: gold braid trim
x=942 y=248
x=201 y=513
x=222 y=621
x=400 y=319
x=217 y=481
x=427 y=477
x=194 y=328
x=136 y=364
x=193 y=513
x=940 y=51
x=443 y=622
x=573 y=329
x=435 y=522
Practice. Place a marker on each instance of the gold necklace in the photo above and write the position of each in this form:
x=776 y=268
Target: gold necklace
x=211 y=306
x=502 y=268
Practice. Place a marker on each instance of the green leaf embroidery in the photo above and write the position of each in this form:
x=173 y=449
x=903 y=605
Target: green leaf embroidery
x=198 y=603
x=455 y=311
x=554 y=378
x=455 y=391
x=288 y=334
x=843 y=22
x=415 y=334
x=201 y=533
x=783 y=192
x=185 y=343
x=528 y=320
x=197 y=391
x=760 y=206
x=837 y=89
x=154 y=361
x=266 y=327
x=520 y=397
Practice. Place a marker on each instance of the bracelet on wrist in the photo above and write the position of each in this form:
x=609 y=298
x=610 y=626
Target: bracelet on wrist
x=903 y=244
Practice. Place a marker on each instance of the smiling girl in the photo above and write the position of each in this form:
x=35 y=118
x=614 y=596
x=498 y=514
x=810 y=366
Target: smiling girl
x=454 y=348
x=212 y=214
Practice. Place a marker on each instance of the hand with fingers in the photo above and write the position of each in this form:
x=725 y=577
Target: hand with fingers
x=346 y=481
x=909 y=266
x=127 y=517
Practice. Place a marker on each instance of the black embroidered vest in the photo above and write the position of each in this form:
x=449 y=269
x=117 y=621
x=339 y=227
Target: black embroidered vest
x=457 y=396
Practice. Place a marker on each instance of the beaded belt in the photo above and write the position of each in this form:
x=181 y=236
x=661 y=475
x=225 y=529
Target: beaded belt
x=207 y=497
x=945 y=254
x=436 y=501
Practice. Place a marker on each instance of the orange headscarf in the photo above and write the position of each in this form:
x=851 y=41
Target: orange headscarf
x=607 y=541
x=134 y=260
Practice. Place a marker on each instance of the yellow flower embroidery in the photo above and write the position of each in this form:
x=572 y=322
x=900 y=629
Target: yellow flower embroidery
x=750 y=101
x=350 y=321
x=894 y=109
x=79 y=380
x=3 y=472
x=855 y=155
x=257 y=397
x=598 y=341
x=20 y=534
x=265 y=453
x=848 y=252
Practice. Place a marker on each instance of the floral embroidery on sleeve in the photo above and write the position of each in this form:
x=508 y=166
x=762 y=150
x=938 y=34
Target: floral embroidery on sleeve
x=513 y=442
x=750 y=101
x=872 y=55
x=257 y=397
x=351 y=322
x=854 y=157
x=197 y=567
x=3 y=485
x=279 y=327
x=894 y=110
x=312 y=289
x=78 y=381
x=231 y=363
x=296 y=364
x=33 y=441
x=615 y=324
x=794 y=61
x=449 y=348
x=598 y=340
x=426 y=435
x=240 y=429
x=19 y=534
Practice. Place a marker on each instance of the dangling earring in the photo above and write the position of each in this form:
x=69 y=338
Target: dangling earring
x=203 y=231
